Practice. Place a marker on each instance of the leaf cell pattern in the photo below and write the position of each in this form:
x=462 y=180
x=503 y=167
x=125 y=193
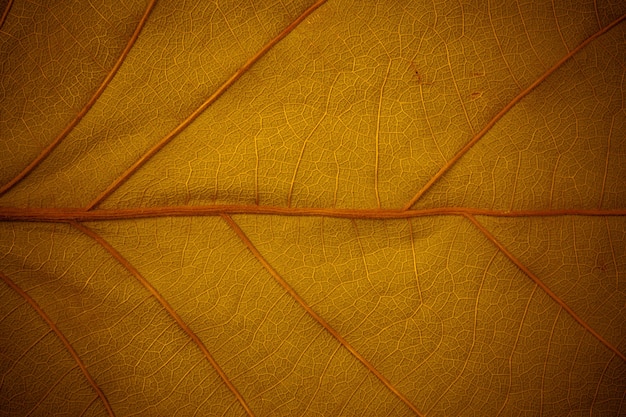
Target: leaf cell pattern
x=312 y=208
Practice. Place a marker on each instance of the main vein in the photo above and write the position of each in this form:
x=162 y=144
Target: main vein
x=78 y=214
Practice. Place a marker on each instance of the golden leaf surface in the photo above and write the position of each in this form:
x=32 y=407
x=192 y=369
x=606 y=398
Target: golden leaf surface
x=316 y=208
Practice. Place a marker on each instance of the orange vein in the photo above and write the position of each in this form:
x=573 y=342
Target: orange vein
x=313 y=314
x=35 y=214
x=5 y=14
x=543 y=286
x=506 y=109
x=48 y=149
x=417 y=277
x=167 y=308
x=225 y=86
x=63 y=339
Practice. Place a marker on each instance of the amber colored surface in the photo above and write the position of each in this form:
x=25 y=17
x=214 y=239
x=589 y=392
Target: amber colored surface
x=300 y=208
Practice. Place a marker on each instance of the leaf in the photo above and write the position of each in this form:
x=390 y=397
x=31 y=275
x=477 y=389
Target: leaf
x=312 y=208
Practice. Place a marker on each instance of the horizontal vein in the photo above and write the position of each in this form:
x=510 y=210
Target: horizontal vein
x=77 y=214
x=506 y=109
x=63 y=339
x=48 y=149
x=543 y=286
x=225 y=86
x=313 y=314
x=170 y=310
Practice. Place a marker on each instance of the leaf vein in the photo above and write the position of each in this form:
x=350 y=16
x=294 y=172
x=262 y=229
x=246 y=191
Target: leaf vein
x=130 y=268
x=544 y=287
x=48 y=149
x=193 y=116
x=244 y=238
x=506 y=109
x=61 y=336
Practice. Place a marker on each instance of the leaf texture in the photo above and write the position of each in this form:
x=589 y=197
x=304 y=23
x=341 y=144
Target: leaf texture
x=312 y=208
